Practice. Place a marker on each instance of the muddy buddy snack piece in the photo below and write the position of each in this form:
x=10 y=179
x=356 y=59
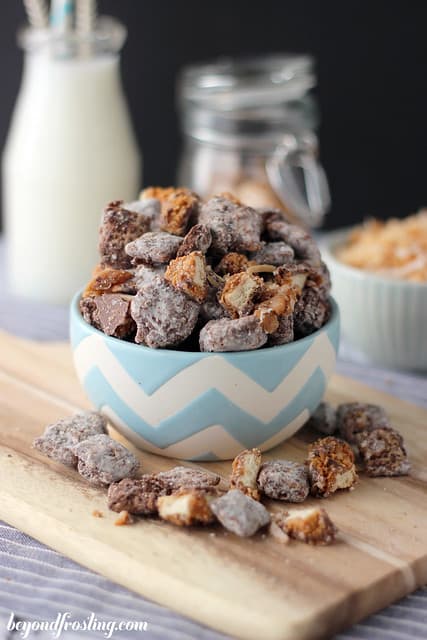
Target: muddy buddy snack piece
x=102 y=460
x=108 y=280
x=60 y=438
x=232 y=335
x=302 y=243
x=179 y=477
x=284 y=480
x=310 y=313
x=188 y=274
x=244 y=472
x=186 y=507
x=275 y=253
x=284 y=332
x=199 y=238
x=176 y=210
x=232 y=263
x=135 y=495
x=119 y=227
x=355 y=417
x=330 y=466
x=234 y=227
x=383 y=453
x=145 y=273
x=312 y=525
x=240 y=292
x=239 y=513
x=211 y=309
x=324 y=419
x=109 y=313
x=164 y=317
x=149 y=207
x=154 y=247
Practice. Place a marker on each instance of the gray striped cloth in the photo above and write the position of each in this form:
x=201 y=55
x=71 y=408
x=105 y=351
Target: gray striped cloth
x=37 y=583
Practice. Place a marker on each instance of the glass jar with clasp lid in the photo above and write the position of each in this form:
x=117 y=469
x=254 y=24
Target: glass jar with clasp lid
x=249 y=128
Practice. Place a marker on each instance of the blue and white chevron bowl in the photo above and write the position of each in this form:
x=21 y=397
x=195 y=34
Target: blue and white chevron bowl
x=204 y=406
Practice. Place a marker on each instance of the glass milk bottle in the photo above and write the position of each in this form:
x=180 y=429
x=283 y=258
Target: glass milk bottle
x=70 y=149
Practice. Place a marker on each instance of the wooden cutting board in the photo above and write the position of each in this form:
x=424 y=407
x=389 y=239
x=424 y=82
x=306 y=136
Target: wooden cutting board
x=252 y=588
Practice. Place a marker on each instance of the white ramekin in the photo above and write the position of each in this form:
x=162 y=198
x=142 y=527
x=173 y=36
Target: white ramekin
x=386 y=318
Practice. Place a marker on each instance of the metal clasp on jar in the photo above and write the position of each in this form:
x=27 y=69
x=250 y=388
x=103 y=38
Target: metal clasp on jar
x=298 y=178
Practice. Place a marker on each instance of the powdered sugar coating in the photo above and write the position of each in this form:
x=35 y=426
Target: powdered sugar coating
x=234 y=227
x=355 y=417
x=284 y=480
x=275 y=253
x=164 y=316
x=324 y=419
x=199 y=238
x=298 y=238
x=383 y=453
x=239 y=513
x=60 y=438
x=154 y=247
x=232 y=335
x=119 y=227
x=102 y=460
x=135 y=495
x=109 y=313
x=178 y=477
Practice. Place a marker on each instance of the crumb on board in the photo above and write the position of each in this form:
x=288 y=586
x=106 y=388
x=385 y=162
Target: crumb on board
x=124 y=519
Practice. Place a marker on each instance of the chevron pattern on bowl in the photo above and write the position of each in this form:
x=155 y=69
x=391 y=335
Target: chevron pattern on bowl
x=203 y=406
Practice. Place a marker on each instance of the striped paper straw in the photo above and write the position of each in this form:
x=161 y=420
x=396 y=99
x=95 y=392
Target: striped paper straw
x=85 y=16
x=61 y=15
x=37 y=13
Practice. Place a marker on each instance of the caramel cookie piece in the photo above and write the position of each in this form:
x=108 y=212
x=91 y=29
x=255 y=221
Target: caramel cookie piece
x=135 y=495
x=60 y=438
x=355 y=417
x=199 y=238
x=102 y=460
x=109 y=313
x=232 y=263
x=284 y=480
x=234 y=227
x=383 y=453
x=119 y=227
x=186 y=507
x=232 y=335
x=312 y=525
x=324 y=419
x=239 y=513
x=275 y=253
x=109 y=280
x=176 y=210
x=244 y=472
x=154 y=247
x=178 y=477
x=330 y=466
x=239 y=293
x=188 y=274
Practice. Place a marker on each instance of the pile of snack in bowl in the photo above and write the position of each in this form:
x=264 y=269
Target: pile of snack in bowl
x=216 y=275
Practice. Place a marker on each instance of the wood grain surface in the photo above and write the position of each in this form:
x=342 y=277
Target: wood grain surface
x=252 y=588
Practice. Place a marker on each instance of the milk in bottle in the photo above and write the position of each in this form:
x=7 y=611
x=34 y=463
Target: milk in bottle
x=70 y=149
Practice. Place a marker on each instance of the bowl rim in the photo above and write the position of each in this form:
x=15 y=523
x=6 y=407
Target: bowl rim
x=76 y=316
x=332 y=240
